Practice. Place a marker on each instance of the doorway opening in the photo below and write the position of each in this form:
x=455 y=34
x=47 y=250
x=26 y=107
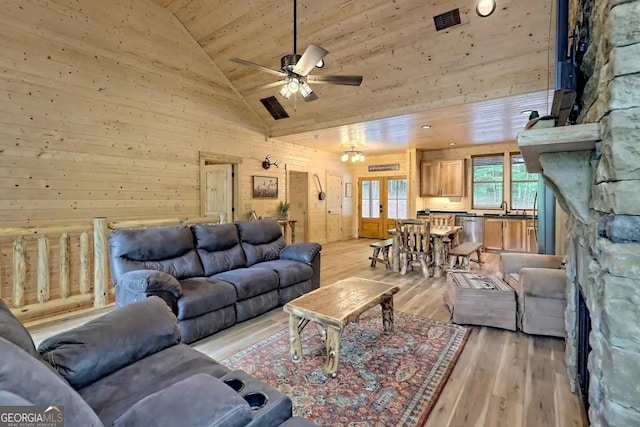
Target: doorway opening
x=382 y=200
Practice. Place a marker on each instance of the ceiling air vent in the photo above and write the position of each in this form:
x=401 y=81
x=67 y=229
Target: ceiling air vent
x=274 y=108
x=447 y=19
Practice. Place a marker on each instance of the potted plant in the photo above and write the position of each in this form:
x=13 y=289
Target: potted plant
x=283 y=210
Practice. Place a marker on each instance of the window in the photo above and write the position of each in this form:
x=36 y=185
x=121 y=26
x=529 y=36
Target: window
x=488 y=176
x=396 y=198
x=524 y=185
x=370 y=199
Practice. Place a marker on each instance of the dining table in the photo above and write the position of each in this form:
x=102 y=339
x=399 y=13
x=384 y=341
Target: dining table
x=439 y=257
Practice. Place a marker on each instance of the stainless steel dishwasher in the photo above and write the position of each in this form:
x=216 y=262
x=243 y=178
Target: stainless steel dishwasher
x=472 y=228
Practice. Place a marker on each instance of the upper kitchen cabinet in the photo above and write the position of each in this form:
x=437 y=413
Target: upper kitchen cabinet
x=443 y=178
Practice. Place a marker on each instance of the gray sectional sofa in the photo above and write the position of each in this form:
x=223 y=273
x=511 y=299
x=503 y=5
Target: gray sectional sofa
x=128 y=368
x=212 y=276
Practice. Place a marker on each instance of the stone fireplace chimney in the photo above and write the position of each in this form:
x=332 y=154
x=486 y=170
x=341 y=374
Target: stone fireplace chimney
x=600 y=190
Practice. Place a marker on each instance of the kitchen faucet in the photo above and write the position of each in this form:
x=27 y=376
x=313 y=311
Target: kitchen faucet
x=506 y=206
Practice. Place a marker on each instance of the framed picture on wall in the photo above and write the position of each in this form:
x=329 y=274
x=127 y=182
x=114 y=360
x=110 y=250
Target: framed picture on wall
x=265 y=187
x=347 y=189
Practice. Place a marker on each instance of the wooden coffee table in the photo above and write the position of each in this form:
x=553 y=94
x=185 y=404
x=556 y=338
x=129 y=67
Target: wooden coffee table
x=331 y=308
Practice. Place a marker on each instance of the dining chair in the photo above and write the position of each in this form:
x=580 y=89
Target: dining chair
x=414 y=246
x=446 y=221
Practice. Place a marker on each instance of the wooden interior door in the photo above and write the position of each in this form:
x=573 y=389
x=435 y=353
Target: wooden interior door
x=219 y=191
x=370 y=221
x=334 y=208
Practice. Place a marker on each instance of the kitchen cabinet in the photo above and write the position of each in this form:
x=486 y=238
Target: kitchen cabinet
x=443 y=178
x=493 y=233
x=508 y=234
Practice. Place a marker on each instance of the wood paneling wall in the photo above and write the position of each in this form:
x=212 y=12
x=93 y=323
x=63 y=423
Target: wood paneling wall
x=105 y=108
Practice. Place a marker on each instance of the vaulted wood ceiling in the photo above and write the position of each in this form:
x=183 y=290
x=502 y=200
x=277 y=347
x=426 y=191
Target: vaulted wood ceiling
x=472 y=80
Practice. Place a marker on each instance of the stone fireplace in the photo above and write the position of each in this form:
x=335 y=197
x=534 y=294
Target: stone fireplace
x=600 y=190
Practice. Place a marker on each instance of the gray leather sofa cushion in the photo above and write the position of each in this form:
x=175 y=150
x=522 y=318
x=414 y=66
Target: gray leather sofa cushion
x=113 y=395
x=210 y=403
x=250 y=282
x=261 y=240
x=289 y=272
x=219 y=248
x=167 y=249
x=112 y=341
x=12 y=330
x=30 y=378
x=201 y=295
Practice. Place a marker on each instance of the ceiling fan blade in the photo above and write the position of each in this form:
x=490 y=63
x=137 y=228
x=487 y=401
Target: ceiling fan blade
x=258 y=66
x=266 y=86
x=336 y=80
x=311 y=97
x=309 y=59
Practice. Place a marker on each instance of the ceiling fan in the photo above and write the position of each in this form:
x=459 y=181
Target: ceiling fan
x=294 y=70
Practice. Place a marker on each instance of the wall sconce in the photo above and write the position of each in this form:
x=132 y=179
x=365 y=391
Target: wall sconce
x=355 y=156
x=485 y=8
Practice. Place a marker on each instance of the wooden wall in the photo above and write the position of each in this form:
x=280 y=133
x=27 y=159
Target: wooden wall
x=105 y=108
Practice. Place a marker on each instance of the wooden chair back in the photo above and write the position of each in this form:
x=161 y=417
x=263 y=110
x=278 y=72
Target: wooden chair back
x=443 y=220
x=413 y=244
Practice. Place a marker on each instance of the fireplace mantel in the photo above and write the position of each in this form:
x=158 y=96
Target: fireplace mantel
x=533 y=142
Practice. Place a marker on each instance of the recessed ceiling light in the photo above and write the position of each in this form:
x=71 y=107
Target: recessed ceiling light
x=426 y=126
x=526 y=112
x=452 y=143
x=485 y=8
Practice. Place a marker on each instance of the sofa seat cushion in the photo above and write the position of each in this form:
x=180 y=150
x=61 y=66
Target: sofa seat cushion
x=113 y=395
x=201 y=295
x=289 y=272
x=544 y=282
x=250 y=282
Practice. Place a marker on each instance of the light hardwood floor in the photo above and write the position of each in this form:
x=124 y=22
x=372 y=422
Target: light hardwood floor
x=502 y=378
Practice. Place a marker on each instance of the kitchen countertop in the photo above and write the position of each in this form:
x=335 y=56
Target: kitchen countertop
x=472 y=214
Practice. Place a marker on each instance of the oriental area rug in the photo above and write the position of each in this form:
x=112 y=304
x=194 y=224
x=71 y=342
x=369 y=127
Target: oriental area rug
x=382 y=380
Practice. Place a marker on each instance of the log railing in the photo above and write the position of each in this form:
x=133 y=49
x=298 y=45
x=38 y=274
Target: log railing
x=20 y=243
x=33 y=293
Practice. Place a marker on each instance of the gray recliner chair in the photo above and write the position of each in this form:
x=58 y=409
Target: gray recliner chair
x=128 y=368
x=540 y=283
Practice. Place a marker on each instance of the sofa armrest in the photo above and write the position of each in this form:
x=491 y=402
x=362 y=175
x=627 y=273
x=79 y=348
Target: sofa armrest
x=150 y=282
x=544 y=282
x=512 y=263
x=302 y=252
x=117 y=339
x=200 y=400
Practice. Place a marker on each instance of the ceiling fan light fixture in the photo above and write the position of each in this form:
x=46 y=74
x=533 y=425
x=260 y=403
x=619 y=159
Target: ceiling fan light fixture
x=355 y=156
x=293 y=85
x=305 y=89
x=485 y=8
x=285 y=92
x=320 y=64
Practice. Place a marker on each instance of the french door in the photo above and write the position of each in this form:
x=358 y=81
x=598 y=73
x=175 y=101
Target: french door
x=382 y=200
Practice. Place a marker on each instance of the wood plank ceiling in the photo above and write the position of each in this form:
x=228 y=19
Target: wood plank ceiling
x=470 y=82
